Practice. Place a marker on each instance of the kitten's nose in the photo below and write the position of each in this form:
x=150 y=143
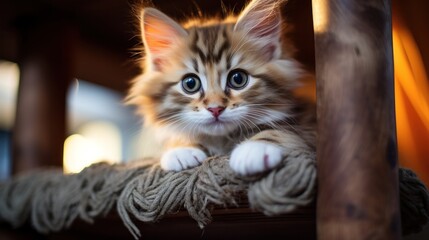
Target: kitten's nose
x=216 y=111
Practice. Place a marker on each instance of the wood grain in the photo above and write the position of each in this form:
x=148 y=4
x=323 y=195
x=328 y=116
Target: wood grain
x=232 y=223
x=357 y=159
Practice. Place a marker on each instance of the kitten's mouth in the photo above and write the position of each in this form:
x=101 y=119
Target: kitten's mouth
x=217 y=127
x=216 y=122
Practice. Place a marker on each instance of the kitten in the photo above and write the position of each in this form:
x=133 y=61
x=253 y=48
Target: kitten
x=219 y=87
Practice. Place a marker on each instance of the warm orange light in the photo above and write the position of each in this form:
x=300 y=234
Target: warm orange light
x=96 y=142
x=9 y=80
x=320 y=15
x=412 y=102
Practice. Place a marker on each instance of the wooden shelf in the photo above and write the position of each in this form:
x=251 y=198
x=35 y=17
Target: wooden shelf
x=233 y=223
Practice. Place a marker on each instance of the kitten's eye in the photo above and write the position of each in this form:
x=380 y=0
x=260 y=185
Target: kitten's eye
x=237 y=79
x=191 y=83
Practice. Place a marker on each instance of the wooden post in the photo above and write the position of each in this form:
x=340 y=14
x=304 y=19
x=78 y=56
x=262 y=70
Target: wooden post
x=40 y=125
x=357 y=160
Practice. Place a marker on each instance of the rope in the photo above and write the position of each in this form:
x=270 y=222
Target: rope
x=414 y=200
x=142 y=191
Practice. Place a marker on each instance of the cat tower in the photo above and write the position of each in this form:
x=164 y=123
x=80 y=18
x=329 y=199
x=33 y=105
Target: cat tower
x=358 y=179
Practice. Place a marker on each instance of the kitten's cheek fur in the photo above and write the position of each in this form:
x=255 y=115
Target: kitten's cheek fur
x=253 y=157
x=179 y=159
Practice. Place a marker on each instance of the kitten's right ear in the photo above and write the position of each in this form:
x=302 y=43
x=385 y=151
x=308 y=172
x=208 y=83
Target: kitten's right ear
x=261 y=22
x=159 y=34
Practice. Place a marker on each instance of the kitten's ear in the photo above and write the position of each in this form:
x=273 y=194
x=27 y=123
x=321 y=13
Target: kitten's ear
x=159 y=33
x=261 y=22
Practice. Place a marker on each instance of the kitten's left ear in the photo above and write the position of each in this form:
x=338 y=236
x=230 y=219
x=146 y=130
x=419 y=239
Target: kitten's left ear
x=261 y=22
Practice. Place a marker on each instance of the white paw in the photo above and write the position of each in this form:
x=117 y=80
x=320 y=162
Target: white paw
x=178 y=159
x=253 y=157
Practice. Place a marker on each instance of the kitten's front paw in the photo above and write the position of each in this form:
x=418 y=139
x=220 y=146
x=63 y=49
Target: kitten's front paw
x=178 y=159
x=253 y=157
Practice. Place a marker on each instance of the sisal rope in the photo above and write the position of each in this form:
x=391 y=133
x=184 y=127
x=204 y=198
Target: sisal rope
x=142 y=191
x=414 y=200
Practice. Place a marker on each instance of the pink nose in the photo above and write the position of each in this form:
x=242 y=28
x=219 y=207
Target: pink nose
x=216 y=111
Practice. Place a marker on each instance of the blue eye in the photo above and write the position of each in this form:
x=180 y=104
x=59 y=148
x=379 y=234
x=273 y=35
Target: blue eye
x=237 y=79
x=191 y=83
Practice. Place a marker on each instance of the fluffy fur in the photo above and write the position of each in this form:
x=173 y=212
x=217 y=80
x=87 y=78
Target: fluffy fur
x=257 y=123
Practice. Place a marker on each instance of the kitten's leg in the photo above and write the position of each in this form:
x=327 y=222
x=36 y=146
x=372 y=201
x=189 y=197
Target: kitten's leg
x=180 y=158
x=264 y=151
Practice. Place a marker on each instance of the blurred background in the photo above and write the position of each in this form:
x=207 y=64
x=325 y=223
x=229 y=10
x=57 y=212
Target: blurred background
x=65 y=67
x=73 y=61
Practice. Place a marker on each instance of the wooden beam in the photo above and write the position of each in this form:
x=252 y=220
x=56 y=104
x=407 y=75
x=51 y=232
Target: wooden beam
x=103 y=66
x=357 y=160
x=233 y=223
x=46 y=70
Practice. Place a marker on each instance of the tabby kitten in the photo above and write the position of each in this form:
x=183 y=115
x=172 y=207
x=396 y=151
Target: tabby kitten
x=221 y=87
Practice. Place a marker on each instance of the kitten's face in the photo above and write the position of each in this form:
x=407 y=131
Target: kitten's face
x=215 y=79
